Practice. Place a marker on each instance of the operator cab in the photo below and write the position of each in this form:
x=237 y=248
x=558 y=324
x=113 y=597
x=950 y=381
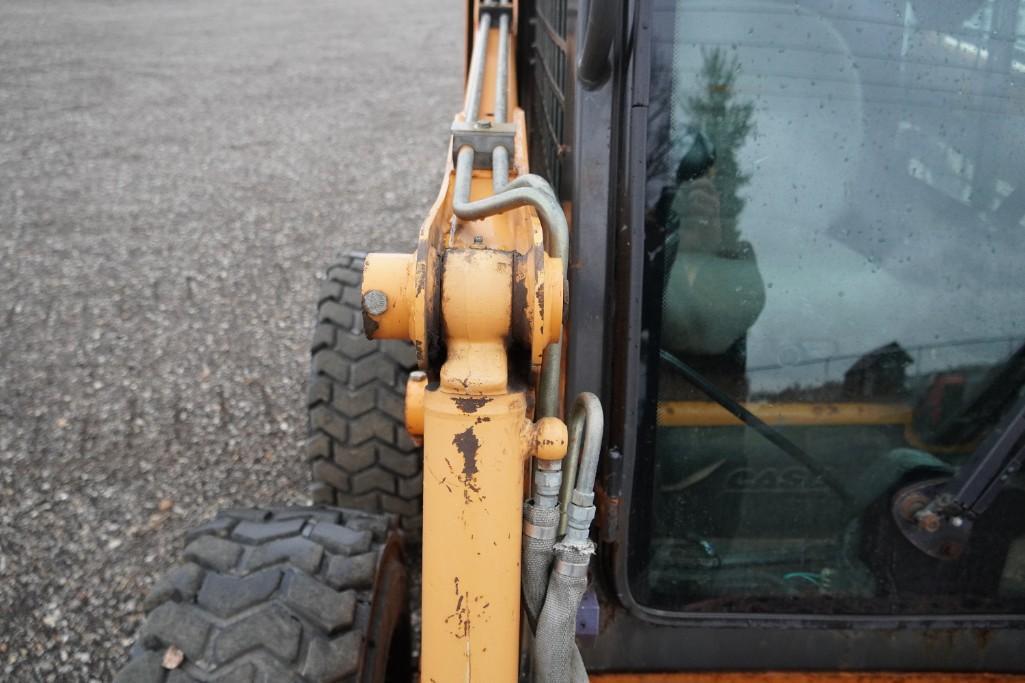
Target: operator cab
x=816 y=310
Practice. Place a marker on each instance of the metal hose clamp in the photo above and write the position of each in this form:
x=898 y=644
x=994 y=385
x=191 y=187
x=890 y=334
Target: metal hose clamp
x=571 y=569
x=540 y=533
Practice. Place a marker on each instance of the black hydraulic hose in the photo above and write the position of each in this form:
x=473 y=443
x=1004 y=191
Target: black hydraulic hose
x=759 y=425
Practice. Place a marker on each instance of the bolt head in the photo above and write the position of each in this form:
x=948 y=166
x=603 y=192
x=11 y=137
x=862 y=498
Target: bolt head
x=484 y=123
x=375 y=302
x=929 y=521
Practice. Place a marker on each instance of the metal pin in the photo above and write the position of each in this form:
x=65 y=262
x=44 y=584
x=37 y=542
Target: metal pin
x=375 y=302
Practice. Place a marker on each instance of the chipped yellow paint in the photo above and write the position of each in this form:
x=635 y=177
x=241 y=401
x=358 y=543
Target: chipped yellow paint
x=473 y=482
x=470 y=291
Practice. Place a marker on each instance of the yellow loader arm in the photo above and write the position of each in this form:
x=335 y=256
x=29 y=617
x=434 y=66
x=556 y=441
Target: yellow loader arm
x=482 y=301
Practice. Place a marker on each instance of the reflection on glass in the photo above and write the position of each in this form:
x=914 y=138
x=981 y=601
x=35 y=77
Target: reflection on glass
x=835 y=240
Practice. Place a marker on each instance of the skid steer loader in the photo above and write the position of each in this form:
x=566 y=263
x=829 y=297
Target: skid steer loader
x=708 y=366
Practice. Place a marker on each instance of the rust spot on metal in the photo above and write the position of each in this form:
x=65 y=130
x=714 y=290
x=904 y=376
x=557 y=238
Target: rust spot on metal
x=467 y=444
x=521 y=324
x=471 y=404
x=942 y=640
x=420 y=278
x=433 y=339
x=539 y=278
x=540 y=294
x=982 y=637
x=461 y=614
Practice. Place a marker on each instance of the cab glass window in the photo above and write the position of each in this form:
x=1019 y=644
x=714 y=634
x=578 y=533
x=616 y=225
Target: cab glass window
x=835 y=243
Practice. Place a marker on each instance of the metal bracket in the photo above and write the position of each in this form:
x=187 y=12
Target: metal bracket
x=495 y=10
x=484 y=137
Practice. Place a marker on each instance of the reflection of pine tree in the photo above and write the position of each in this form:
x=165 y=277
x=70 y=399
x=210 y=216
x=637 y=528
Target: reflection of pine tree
x=727 y=123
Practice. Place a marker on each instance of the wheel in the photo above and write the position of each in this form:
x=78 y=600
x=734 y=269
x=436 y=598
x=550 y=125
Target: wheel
x=280 y=594
x=360 y=453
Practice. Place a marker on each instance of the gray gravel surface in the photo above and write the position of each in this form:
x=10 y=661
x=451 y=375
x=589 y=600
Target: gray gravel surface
x=172 y=177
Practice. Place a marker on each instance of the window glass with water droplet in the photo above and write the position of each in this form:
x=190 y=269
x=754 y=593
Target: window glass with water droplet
x=836 y=244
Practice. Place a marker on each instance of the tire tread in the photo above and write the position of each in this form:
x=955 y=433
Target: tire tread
x=358 y=450
x=284 y=608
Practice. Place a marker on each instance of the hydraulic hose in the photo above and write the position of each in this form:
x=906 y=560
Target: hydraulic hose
x=526 y=190
x=540 y=526
x=556 y=657
x=502 y=74
x=499 y=169
x=475 y=82
x=500 y=157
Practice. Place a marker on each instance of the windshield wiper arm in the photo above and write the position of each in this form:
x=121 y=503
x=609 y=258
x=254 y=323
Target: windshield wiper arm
x=937 y=517
x=998 y=390
x=757 y=424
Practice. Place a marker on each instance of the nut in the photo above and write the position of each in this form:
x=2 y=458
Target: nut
x=548 y=480
x=580 y=517
x=582 y=498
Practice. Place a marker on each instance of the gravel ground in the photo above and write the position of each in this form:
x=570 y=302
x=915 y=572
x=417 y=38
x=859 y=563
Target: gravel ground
x=172 y=177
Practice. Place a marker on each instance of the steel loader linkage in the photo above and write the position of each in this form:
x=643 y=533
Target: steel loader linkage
x=482 y=300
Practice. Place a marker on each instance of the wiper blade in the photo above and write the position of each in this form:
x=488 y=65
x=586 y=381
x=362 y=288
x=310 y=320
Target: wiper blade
x=756 y=423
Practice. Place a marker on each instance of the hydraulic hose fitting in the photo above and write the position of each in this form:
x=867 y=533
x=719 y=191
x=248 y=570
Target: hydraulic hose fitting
x=547 y=481
x=550 y=440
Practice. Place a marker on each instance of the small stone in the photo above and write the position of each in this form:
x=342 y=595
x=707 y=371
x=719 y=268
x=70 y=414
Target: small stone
x=173 y=658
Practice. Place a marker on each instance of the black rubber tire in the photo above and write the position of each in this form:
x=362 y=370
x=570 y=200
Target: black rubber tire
x=280 y=594
x=360 y=454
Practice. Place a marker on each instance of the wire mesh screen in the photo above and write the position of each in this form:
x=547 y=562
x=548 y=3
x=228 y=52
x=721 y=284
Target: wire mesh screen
x=549 y=63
